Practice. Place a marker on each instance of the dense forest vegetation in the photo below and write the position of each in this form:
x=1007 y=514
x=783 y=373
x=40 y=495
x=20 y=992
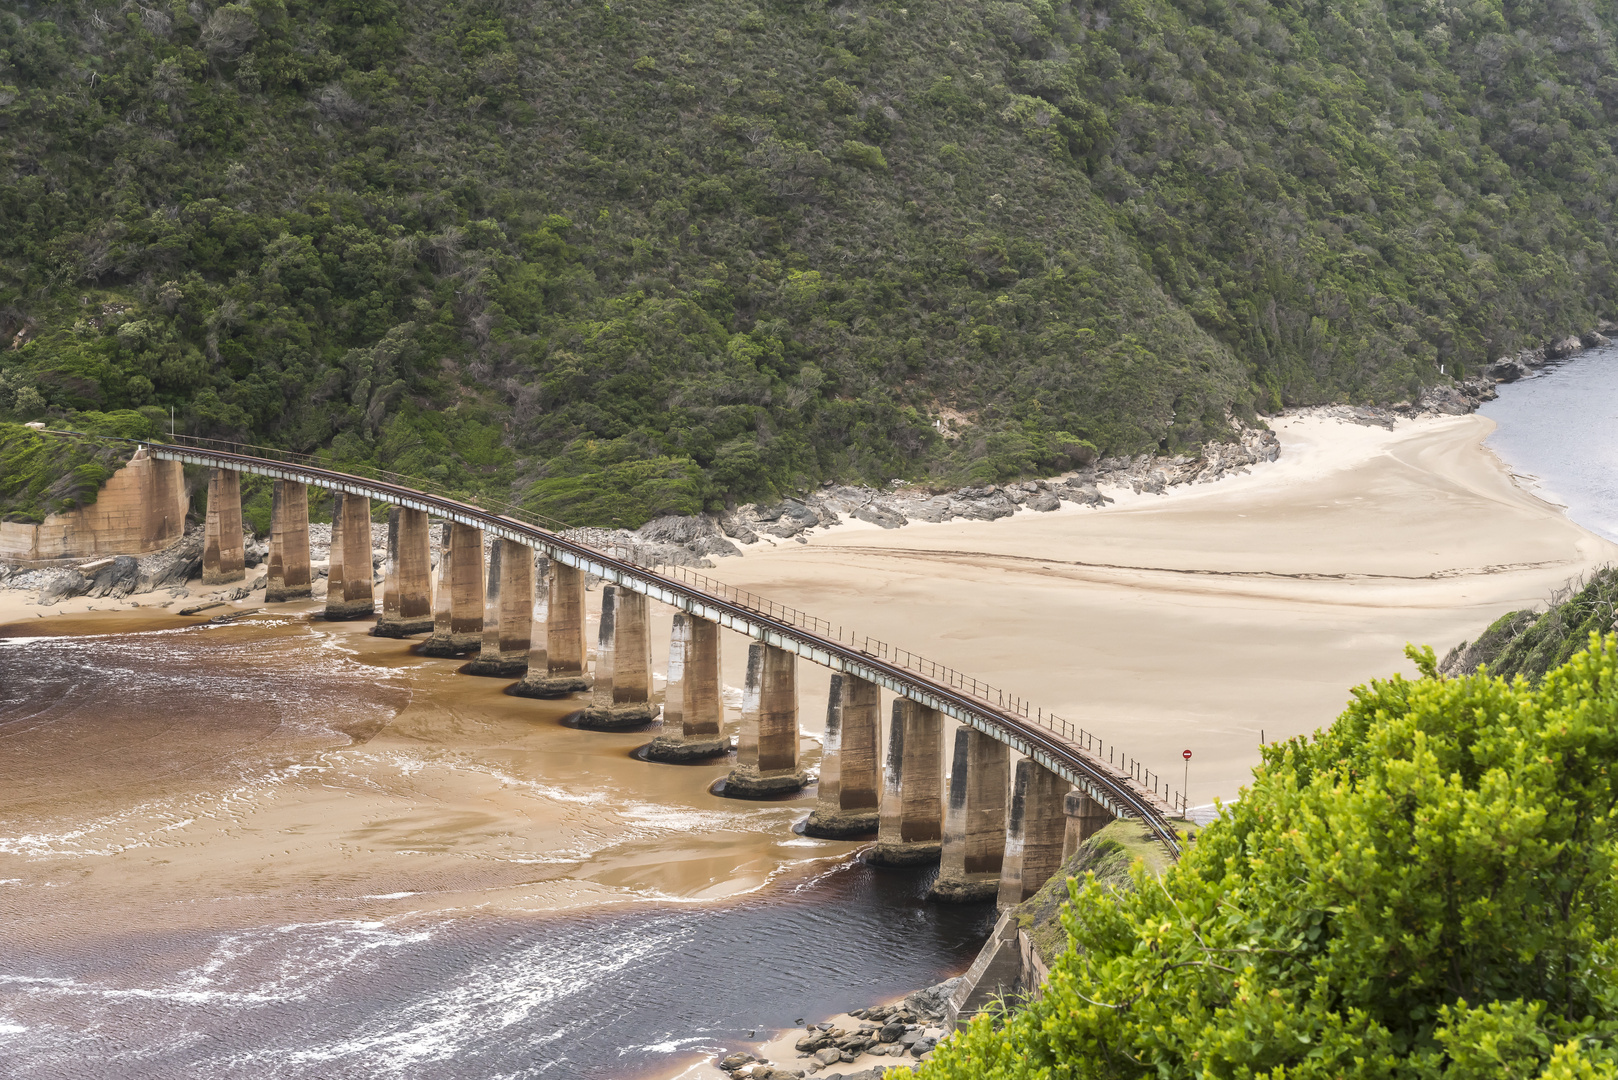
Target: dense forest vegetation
x=1423 y=891
x=721 y=249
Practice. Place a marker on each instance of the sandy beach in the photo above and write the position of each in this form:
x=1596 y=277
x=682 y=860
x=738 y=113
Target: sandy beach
x=1203 y=617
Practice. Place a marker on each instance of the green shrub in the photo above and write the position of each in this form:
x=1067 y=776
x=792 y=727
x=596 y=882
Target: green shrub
x=1426 y=889
x=865 y=156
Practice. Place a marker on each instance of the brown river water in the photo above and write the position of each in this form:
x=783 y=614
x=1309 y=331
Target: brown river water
x=282 y=848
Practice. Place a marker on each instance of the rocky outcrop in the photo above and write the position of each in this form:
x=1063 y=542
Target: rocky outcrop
x=795 y=519
x=124 y=575
x=1513 y=367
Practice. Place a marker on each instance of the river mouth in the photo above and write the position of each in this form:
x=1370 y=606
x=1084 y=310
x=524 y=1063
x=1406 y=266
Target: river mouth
x=284 y=848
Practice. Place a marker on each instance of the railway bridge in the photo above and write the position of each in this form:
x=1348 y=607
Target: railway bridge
x=997 y=829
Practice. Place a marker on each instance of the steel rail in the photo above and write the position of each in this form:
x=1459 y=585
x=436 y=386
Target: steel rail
x=1115 y=788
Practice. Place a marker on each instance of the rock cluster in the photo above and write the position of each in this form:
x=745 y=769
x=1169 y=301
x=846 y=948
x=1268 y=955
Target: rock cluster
x=1512 y=368
x=910 y=1028
x=118 y=577
x=795 y=519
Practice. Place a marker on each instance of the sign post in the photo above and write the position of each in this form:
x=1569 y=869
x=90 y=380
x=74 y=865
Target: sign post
x=1185 y=784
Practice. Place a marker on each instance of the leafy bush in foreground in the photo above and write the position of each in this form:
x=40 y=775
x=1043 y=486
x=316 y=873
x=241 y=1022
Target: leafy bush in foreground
x=1426 y=889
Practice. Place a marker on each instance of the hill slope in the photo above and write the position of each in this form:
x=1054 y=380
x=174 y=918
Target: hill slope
x=717 y=250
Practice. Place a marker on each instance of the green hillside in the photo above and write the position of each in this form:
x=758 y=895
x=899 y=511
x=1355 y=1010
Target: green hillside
x=710 y=250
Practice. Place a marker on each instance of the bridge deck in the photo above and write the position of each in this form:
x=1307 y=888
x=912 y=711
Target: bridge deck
x=1118 y=783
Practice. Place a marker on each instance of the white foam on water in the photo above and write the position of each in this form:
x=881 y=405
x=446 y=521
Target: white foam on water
x=443 y=1024
x=669 y=1047
x=300 y=958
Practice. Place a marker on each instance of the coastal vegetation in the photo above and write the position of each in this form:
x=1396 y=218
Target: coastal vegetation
x=1530 y=643
x=1425 y=889
x=42 y=475
x=716 y=251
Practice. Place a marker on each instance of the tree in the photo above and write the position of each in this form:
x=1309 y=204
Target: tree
x=1424 y=890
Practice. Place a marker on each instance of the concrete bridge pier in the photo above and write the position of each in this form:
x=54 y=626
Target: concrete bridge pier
x=850 y=795
x=1085 y=818
x=767 y=750
x=458 y=614
x=508 y=612
x=538 y=650
x=623 y=679
x=974 y=820
x=289 y=577
x=407 y=587
x=560 y=672
x=348 y=571
x=693 y=704
x=1035 y=830
x=224 y=554
x=911 y=829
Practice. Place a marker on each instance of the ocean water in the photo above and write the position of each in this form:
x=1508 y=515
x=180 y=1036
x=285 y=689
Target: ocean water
x=266 y=851
x=1558 y=428
x=623 y=994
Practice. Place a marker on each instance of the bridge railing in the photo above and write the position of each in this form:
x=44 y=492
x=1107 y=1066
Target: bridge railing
x=655 y=558
x=650 y=558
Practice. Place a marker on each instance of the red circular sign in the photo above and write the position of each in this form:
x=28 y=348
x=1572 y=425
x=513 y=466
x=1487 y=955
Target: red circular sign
x=1186 y=755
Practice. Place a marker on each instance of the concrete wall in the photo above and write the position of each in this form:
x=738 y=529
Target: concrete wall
x=140 y=509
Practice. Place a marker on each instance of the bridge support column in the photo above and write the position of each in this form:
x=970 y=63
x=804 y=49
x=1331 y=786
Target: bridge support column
x=912 y=825
x=561 y=671
x=1085 y=818
x=289 y=576
x=458 y=614
x=508 y=612
x=849 y=769
x=767 y=750
x=224 y=555
x=1035 y=829
x=974 y=820
x=407 y=587
x=348 y=570
x=623 y=680
x=693 y=708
